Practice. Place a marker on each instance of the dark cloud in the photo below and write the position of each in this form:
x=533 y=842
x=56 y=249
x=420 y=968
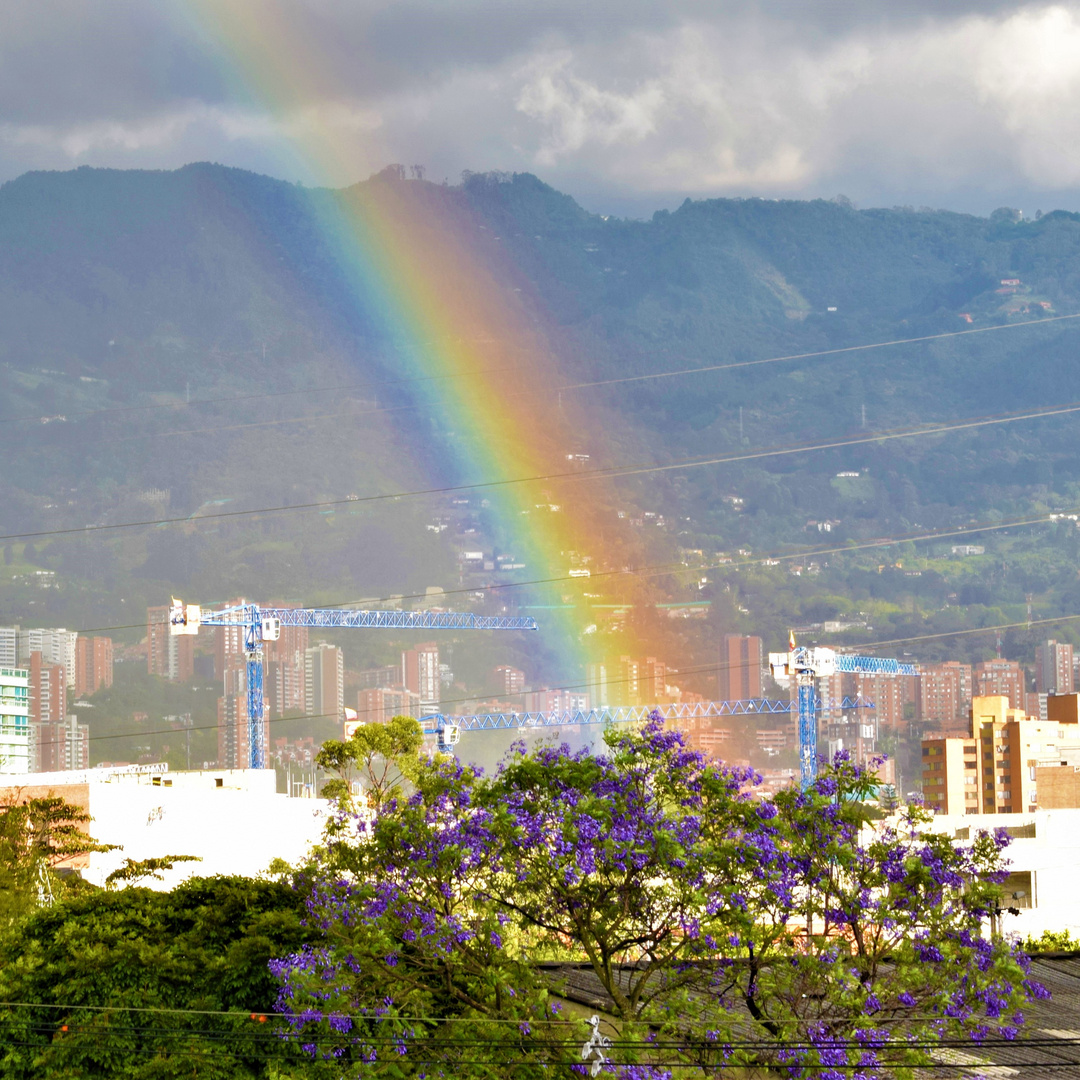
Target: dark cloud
x=630 y=102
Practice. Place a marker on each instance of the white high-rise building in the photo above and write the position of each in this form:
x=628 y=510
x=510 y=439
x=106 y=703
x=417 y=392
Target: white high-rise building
x=9 y=646
x=56 y=645
x=324 y=681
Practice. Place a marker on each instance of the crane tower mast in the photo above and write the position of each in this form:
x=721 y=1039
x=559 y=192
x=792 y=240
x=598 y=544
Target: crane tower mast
x=806 y=667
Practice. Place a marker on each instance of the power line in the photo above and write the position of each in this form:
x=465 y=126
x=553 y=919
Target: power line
x=230 y=399
x=609 y=472
x=247 y=1013
x=582 y=385
x=424 y=1048
x=570 y=687
x=820 y=353
x=974 y=630
x=665 y=569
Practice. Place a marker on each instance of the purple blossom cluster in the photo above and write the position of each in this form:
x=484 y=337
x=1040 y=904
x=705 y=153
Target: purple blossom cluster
x=697 y=907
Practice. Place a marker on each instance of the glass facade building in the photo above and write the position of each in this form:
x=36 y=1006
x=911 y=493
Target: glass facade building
x=14 y=720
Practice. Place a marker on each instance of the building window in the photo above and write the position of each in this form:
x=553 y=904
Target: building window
x=1019 y=890
x=1021 y=832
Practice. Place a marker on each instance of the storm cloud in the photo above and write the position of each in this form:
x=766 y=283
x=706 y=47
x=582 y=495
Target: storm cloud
x=629 y=104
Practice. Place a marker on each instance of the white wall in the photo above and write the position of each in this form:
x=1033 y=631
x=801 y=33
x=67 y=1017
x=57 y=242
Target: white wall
x=233 y=831
x=1053 y=857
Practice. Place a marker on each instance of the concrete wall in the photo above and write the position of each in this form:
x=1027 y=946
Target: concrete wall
x=231 y=830
x=232 y=820
x=1050 y=860
x=1058 y=787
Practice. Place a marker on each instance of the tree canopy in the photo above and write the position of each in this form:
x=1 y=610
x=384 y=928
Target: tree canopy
x=137 y=983
x=718 y=929
x=378 y=757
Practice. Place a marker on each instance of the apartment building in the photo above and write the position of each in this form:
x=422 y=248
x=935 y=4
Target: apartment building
x=741 y=663
x=93 y=665
x=510 y=680
x=56 y=645
x=48 y=712
x=14 y=720
x=374 y=678
x=1000 y=678
x=168 y=656
x=1054 y=667
x=420 y=675
x=9 y=646
x=943 y=695
x=228 y=643
x=381 y=704
x=286 y=670
x=324 y=676
x=652 y=681
x=890 y=695
x=707 y=735
x=995 y=769
x=556 y=701
x=596 y=685
x=76 y=744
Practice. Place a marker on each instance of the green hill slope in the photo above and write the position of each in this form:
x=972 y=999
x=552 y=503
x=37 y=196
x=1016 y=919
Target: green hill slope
x=155 y=328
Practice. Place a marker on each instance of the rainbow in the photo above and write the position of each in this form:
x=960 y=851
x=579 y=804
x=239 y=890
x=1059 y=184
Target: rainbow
x=453 y=314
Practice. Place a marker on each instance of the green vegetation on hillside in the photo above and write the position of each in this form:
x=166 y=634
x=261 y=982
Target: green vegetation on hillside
x=182 y=344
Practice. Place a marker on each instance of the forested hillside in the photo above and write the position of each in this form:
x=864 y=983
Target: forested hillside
x=174 y=344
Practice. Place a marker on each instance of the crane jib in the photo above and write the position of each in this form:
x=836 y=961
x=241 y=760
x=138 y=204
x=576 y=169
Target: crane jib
x=350 y=618
x=263 y=624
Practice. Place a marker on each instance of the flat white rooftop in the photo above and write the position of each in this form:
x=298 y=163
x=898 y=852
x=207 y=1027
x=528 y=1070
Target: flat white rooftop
x=232 y=820
x=154 y=775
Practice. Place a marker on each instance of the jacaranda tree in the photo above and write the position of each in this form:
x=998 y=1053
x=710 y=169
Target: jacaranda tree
x=723 y=931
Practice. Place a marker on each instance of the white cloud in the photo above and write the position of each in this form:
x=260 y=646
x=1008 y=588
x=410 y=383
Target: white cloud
x=76 y=141
x=971 y=100
x=1028 y=72
x=575 y=112
x=699 y=116
x=330 y=120
x=700 y=97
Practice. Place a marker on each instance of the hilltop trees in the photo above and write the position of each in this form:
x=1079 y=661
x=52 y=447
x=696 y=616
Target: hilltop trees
x=720 y=929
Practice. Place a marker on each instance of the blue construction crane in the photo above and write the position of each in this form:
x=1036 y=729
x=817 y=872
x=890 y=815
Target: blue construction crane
x=807 y=666
x=261 y=624
x=448 y=729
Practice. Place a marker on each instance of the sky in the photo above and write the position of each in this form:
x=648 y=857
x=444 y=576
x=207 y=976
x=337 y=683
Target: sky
x=629 y=106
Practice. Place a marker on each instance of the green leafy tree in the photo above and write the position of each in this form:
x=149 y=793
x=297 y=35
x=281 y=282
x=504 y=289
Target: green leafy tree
x=143 y=984
x=1052 y=941
x=381 y=757
x=431 y=962
x=135 y=870
x=35 y=836
x=802 y=931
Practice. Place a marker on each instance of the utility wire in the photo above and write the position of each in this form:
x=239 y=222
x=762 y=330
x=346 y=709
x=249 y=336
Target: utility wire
x=664 y=569
x=610 y=472
x=645 y=377
x=671 y=568
x=244 y=1013
x=972 y=630
x=570 y=687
